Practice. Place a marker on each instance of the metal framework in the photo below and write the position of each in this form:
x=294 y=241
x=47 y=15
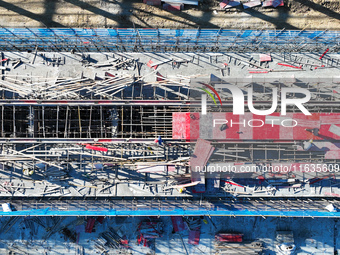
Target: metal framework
x=171 y=40
x=88 y=137
x=265 y=208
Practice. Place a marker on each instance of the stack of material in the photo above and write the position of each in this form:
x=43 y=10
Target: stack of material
x=243 y=248
x=229 y=238
x=232 y=3
x=178 y=2
x=152 y=2
x=265 y=58
x=9 y=224
x=118 y=63
x=194 y=226
x=226 y=4
x=173 y=7
x=54 y=227
x=68 y=234
x=252 y=3
x=178 y=223
x=110 y=239
x=149 y=230
x=273 y=3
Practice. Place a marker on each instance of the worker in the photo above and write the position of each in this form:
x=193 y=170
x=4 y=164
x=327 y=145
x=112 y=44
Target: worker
x=307 y=145
x=180 y=190
x=28 y=172
x=204 y=220
x=150 y=149
x=159 y=140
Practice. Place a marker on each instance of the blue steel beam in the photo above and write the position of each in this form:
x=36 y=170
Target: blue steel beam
x=175 y=212
x=47 y=39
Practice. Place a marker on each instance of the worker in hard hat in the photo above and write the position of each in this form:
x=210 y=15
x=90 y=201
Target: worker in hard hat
x=159 y=140
x=307 y=145
x=28 y=172
x=180 y=190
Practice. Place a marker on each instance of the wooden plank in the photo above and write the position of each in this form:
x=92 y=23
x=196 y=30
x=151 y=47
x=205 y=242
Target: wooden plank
x=251 y=4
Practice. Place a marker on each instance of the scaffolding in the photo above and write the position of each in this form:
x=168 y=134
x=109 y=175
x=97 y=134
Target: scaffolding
x=292 y=207
x=166 y=40
x=104 y=130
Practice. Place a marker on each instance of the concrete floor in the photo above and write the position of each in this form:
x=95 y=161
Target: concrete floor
x=208 y=64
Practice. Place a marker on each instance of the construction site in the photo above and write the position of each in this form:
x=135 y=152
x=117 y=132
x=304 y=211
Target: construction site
x=147 y=140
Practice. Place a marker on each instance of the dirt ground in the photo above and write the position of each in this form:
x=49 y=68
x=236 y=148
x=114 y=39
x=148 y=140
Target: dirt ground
x=296 y=14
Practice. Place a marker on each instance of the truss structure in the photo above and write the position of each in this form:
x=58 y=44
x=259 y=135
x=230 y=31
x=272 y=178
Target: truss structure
x=166 y=40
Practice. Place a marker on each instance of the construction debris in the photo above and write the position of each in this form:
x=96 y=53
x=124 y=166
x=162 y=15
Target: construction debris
x=252 y=4
x=149 y=230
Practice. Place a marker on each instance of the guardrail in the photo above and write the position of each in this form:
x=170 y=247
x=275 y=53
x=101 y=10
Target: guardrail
x=166 y=40
x=265 y=207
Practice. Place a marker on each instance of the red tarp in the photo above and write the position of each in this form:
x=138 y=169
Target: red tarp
x=332 y=194
x=233 y=183
x=159 y=77
x=224 y=3
x=96 y=148
x=274 y=3
x=265 y=58
x=108 y=74
x=232 y=4
x=89 y=225
x=178 y=223
x=100 y=219
x=150 y=64
x=237 y=238
x=173 y=7
x=194 y=237
x=251 y=4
